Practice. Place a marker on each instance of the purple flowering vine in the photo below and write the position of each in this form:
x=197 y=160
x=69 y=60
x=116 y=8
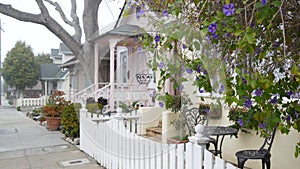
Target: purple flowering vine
x=201 y=91
x=157 y=38
x=240 y=122
x=264 y=2
x=262 y=125
x=258 y=92
x=222 y=88
x=161 y=65
x=248 y=103
x=244 y=80
x=212 y=28
x=153 y=93
x=180 y=89
x=215 y=36
x=198 y=68
x=161 y=104
x=228 y=9
x=165 y=13
x=273 y=100
x=189 y=71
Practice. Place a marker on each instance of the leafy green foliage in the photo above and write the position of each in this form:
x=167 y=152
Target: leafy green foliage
x=70 y=122
x=19 y=68
x=257 y=49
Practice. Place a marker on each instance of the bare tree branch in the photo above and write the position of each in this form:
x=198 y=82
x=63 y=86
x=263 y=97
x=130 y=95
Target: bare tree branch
x=75 y=23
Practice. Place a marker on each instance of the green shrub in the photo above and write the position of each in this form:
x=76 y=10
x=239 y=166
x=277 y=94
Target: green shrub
x=92 y=107
x=77 y=107
x=70 y=122
x=18 y=108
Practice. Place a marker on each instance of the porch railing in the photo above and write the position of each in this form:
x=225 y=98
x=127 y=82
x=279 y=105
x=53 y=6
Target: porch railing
x=123 y=92
x=112 y=144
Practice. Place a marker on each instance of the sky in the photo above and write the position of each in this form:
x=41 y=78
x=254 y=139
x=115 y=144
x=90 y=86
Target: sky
x=37 y=36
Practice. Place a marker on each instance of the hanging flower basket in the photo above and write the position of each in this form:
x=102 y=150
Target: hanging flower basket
x=143 y=78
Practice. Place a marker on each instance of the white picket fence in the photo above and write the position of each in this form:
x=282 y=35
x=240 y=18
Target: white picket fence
x=31 y=102
x=109 y=142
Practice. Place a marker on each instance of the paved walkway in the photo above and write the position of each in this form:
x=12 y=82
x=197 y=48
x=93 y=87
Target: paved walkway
x=24 y=144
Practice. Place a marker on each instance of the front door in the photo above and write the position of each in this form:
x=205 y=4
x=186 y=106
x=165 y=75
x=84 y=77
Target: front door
x=122 y=65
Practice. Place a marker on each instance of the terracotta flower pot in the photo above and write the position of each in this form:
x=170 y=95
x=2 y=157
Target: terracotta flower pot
x=53 y=123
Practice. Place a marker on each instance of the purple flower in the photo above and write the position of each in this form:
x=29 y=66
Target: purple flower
x=258 y=92
x=263 y=2
x=161 y=65
x=273 y=100
x=212 y=28
x=244 y=80
x=161 y=104
x=227 y=35
x=140 y=50
x=241 y=122
x=197 y=78
x=184 y=46
x=208 y=37
x=290 y=93
x=222 y=88
x=201 y=91
x=257 y=50
x=180 y=88
x=288 y=118
x=252 y=24
x=189 y=71
x=207 y=111
x=157 y=38
x=198 y=68
x=139 y=13
x=296 y=114
x=153 y=93
x=165 y=13
x=262 y=125
x=204 y=72
x=248 y=103
x=215 y=36
x=228 y=9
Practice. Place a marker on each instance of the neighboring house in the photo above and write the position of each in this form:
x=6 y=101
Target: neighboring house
x=53 y=78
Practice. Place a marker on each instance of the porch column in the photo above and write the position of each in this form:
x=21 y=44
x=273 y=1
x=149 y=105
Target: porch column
x=112 y=44
x=46 y=91
x=96 y=68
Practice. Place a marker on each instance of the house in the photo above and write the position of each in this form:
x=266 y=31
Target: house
x=121 y=72
x=118 y=44
x=52 y=76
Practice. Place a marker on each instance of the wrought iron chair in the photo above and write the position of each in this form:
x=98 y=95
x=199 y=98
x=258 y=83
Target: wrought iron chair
x=262 y=153
x=193 y=117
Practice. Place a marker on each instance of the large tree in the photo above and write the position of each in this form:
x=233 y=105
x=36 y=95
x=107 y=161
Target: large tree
x=43 y=58
x=19 y=68
x=84 y=51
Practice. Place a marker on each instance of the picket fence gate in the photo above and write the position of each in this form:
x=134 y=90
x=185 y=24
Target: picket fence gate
x=114 y=146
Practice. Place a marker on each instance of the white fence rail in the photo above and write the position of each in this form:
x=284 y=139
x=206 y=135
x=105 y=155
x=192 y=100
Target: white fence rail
x=31 y=102
x=109 y=142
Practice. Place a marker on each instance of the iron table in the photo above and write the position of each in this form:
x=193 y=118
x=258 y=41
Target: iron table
x=219 y=131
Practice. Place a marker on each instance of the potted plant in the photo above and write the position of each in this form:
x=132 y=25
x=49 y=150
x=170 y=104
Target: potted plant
x=53 y=109
x=101 y=102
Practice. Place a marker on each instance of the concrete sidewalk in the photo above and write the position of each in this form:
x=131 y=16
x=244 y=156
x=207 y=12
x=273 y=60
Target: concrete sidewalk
x=24 y=144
